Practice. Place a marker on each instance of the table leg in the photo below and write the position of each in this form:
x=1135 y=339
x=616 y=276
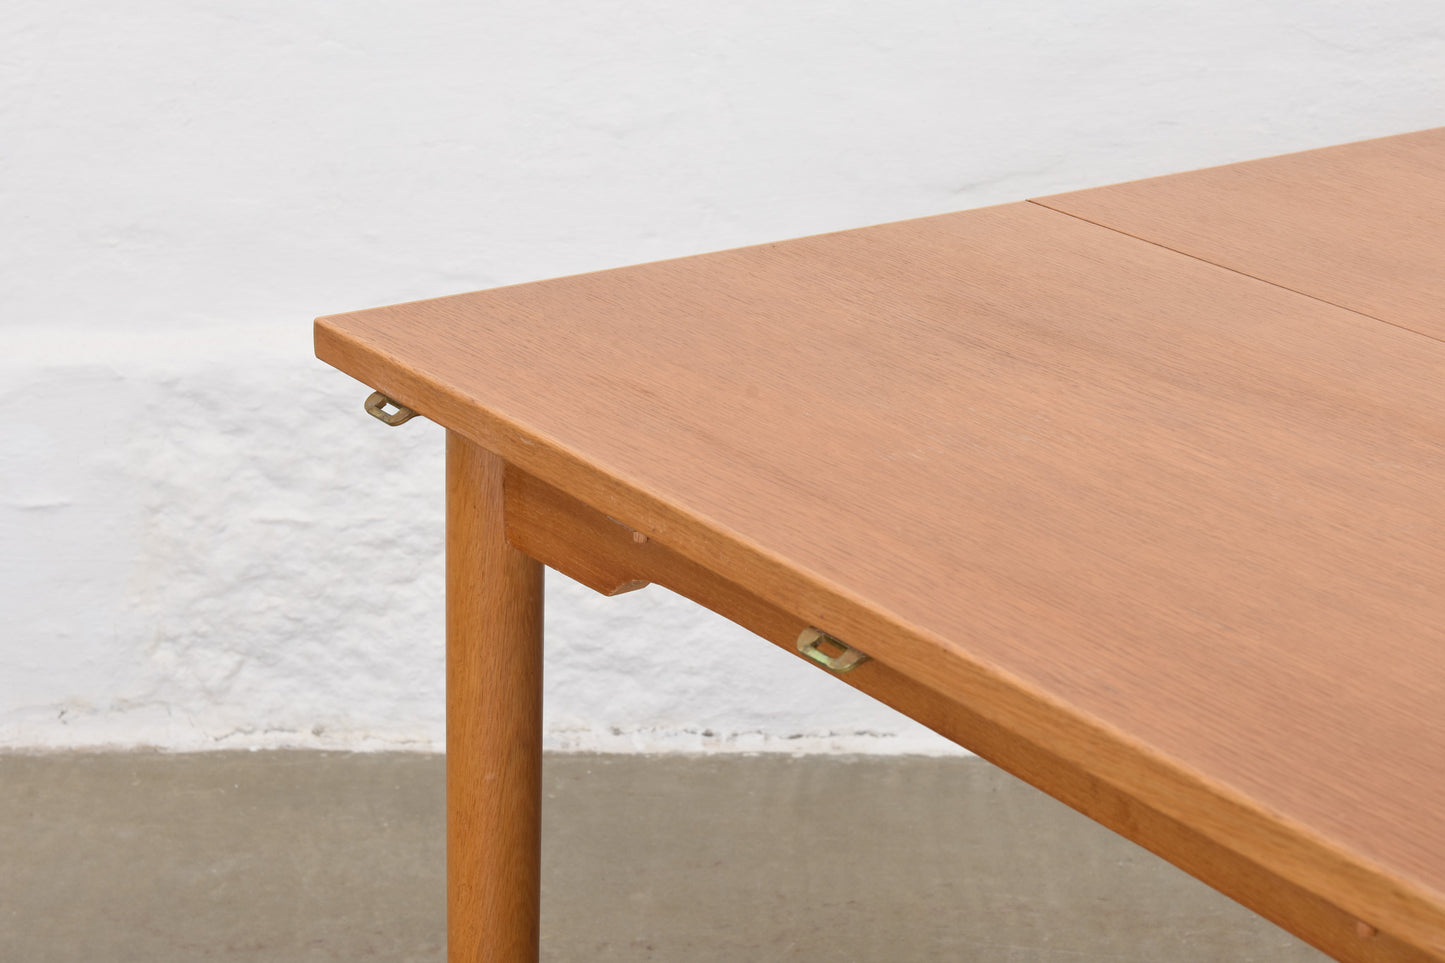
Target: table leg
x=494 y=721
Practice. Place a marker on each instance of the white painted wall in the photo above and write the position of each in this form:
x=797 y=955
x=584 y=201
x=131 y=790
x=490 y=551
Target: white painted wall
x=206 y=543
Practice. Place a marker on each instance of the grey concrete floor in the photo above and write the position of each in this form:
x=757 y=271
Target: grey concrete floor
x=291 y=856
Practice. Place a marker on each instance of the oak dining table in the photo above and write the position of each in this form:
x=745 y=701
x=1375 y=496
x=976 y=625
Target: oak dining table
x=1137 y=492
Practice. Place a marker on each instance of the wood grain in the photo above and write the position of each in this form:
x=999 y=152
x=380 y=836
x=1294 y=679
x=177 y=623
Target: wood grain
x=494 y=721
x=1359 y=225
x=1184 y=528
x=555 y=528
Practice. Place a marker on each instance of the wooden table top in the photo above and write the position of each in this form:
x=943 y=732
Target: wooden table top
x=1182 y=525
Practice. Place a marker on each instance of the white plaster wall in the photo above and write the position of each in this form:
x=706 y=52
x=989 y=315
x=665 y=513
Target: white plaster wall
x=206 y=543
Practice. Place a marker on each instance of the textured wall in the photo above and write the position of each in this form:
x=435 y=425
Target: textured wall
x=206 y=543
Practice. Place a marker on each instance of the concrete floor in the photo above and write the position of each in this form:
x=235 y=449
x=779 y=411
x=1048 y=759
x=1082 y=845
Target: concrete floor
x=291 y=856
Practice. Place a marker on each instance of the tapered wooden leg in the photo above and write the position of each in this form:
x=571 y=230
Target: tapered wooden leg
x=494 y=721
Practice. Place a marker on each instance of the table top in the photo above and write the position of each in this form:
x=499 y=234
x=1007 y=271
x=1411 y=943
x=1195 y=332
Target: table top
x=1150 y=475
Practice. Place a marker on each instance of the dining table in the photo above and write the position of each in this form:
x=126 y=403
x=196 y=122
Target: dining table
x=1137 y=492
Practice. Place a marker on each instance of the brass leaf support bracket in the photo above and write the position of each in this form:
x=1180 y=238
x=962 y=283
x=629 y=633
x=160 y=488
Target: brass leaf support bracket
x=376 y=406
x=832 y=654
